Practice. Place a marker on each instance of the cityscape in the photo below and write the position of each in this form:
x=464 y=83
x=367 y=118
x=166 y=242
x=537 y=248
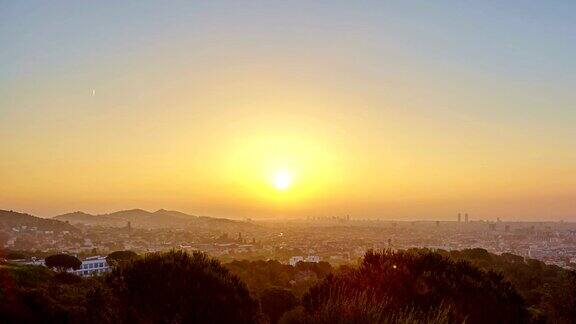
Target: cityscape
x=337 y=240
x=287 y=162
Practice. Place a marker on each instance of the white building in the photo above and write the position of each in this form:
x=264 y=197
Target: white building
x=92 y=266
x=295 y=259
x=32 y=261
x=311 y=258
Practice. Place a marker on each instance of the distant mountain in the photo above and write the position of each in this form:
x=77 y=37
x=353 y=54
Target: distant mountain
x=11 y=219
x=87 y=219
x=172 y=213
x=144 y=219
x=158 y=219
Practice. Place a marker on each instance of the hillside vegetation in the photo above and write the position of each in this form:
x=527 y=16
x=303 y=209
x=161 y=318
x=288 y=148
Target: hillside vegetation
x=415 y=286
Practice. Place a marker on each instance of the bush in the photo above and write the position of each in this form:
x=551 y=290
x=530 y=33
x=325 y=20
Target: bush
x=276 y=301
x=342 y=307
x=117 y=258
x=176 y=287
x=416 y=285
x=63 y=262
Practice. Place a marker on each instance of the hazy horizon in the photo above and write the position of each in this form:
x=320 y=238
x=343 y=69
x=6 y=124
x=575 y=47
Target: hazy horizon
x=310 y=217
x=393 y=110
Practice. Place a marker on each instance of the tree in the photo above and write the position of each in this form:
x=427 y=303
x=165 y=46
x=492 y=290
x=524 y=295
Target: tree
x=33 y=294
x=117 y=258
x=176 y=287
x=560 y=302
x=544 y=288
x=14 y=255
x=63 y=262
x=260 y=275
x=395 y=282
x=276 y=301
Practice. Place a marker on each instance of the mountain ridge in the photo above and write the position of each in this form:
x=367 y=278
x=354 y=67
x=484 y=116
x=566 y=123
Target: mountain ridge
x=10 y=219
x=161 y=218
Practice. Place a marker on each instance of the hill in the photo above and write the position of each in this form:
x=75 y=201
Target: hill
x=159 y=219
x=88 y=219
x=10 y=220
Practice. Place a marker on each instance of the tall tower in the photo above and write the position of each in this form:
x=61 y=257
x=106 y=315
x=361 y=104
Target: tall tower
x=466 y=217
x=459 y=217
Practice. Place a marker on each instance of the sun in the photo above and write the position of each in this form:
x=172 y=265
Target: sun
x=282 y=180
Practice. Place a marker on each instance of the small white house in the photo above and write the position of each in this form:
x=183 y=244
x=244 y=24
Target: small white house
x=92 y=266
x=311 y=258
x=295 y=259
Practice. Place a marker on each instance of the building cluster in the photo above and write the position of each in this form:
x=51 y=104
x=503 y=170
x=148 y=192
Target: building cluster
x=25 y=237
x=336 y=240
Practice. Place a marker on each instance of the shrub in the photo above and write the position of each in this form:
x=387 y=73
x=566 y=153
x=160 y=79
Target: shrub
x=63 y=262
x=276 y=301
x=177 y=287
x=416 y=285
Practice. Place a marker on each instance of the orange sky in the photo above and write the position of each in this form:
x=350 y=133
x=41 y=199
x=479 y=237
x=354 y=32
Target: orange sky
x=375 y=115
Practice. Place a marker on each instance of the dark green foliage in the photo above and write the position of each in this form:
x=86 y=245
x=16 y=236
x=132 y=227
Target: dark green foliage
x=160 y=288
x=35 y=294
x=120 y=257
x=67 y=278
x=343 y=307
x=548 y=290
x=425 y=287
x=176 y=287
x=63 y=262
x=14 y=255
x=101 y=304
x=261 y=275
x=398 y=281
x=560 y=303
x=276 y=301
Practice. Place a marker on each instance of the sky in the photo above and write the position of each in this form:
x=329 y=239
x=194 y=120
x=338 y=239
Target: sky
x=373 y=109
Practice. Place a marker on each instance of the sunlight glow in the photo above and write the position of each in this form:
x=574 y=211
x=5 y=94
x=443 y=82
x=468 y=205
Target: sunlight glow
x=282 y=180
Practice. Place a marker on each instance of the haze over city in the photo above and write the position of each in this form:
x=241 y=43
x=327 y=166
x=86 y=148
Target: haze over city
x=270 y=110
